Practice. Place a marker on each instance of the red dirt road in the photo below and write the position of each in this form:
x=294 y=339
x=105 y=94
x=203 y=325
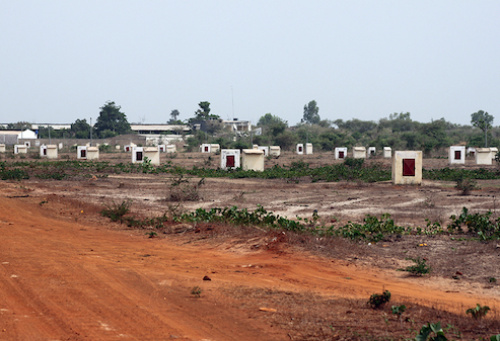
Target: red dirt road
x=66 y=280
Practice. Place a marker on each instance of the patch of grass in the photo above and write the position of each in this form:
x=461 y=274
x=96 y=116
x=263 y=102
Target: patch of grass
x=116 y=212
x=420 y=267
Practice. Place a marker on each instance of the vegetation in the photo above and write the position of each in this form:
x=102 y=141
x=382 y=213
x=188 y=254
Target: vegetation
x=377 y=301
x=420 y=267
x=111 y=121
x=431 y=332
x=478 y=312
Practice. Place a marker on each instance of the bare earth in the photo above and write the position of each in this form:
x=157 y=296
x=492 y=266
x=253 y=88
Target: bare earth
x=66 y=273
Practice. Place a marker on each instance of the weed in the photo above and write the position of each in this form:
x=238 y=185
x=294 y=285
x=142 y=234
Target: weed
x=492 y=280
x=477 y=224
x=152 y=234
x=478 y=312
x=431 y=328
x=116 y=212
x=465 y=185
x=420 y=267
x=182 y=190
x=196 y=291
x=377 y=301
x=398 y=309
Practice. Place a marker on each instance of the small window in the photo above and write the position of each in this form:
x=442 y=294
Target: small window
x=206 y=149
x=230 y=161
x=138 y=156
x=408 y=167
x=458 y=154
x=341 y=155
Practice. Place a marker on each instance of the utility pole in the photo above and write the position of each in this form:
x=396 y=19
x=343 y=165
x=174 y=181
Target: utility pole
x=91 y=131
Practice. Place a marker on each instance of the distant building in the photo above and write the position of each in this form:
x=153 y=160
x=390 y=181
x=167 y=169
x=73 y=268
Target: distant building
x=238 y=126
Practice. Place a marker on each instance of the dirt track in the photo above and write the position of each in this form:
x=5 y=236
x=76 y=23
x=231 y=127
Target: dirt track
x=65 y=278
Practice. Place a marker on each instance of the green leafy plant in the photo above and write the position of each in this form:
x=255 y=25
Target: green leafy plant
x=196 y=291
x=478 y=312
x=377 y=301
x=398 y=309
x=465 y=185
x=431 y=332
x=152 y=234
x=420 y=267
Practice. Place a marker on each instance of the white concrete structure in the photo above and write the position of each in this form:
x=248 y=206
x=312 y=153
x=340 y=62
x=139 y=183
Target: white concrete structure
x=20 y=149
x=81 y=152
x=205 y=148
x=60 y=146
x=255 y=146
x=230 y=158
x=27 y=144
x=372 y=151
x=471 y=151
x=153 y=154
x=92 y=153
x=483 y=156
x=2 y=148
x=265 y=149
x=253 y=159
x=137 y=155
x=387 y=152
x=162 y=148
x=43 y=151
x=457 y=155
x=275 y=151
x=127 y=148
x=340 y=153
x=407 y=167
x=51 y=150
x=309 y=148
x=300 y=149
x=359 y=152
x=171 y=148
x=214 y=148
x=28 y=134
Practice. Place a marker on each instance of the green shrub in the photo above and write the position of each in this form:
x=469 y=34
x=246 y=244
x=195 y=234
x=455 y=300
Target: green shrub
x=116 y=212
x=478 y=312
x=379 y=300
x=420 y=267
x=431 y=328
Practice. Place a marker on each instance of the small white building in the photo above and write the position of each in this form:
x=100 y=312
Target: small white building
x=205 y=148
x=483 y=156
x=214 y=148
x=127 y=148
x=153 y=154
x=162 y=148
x=471 y=151
x=253 y=159
x=457 y=155
x=359 y=152
x=275 y=151
x=372 y=151
x=300 y=149
x=43 y=150
x=137 y=155
x=387 y=152
x=340 y=153
x=265 y=149
x=81 y=152
x=407 y=167
x=20 y=149
x=92 y=153
x=309 y=148
x=230 y=158
x=2 y=148
x=171 y=148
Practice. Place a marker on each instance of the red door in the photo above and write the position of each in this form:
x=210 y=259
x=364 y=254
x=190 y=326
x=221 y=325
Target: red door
x=138 y=156
x=458 y=154
x=341 y=154
x=206 y=149
x=230 y=161
x=408 y=167
x=83 y=153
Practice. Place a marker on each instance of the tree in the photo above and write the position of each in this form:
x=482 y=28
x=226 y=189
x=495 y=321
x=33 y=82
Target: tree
x=273 y=124
x=311 y=115
x=173 y=117
x=204 y=111
x=111 y=121
x=80 y=129
x=22 y=125
x=483 y=121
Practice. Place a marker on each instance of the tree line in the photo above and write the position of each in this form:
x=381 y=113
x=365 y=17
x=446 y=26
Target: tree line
x=397 y=131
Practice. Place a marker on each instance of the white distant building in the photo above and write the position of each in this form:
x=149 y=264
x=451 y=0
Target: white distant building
x=457 y=155
x=340 y=153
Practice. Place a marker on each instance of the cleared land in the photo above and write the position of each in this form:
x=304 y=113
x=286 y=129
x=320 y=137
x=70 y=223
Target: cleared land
x=67 y=273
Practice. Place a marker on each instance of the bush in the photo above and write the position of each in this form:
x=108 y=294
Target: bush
x=379 y=300
x=116 y=212
x=478 y=312
x=420 y=267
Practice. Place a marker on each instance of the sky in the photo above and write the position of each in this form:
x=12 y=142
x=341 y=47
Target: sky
x=62 y=60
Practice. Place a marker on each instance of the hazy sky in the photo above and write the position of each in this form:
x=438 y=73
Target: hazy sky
x=62 y=60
